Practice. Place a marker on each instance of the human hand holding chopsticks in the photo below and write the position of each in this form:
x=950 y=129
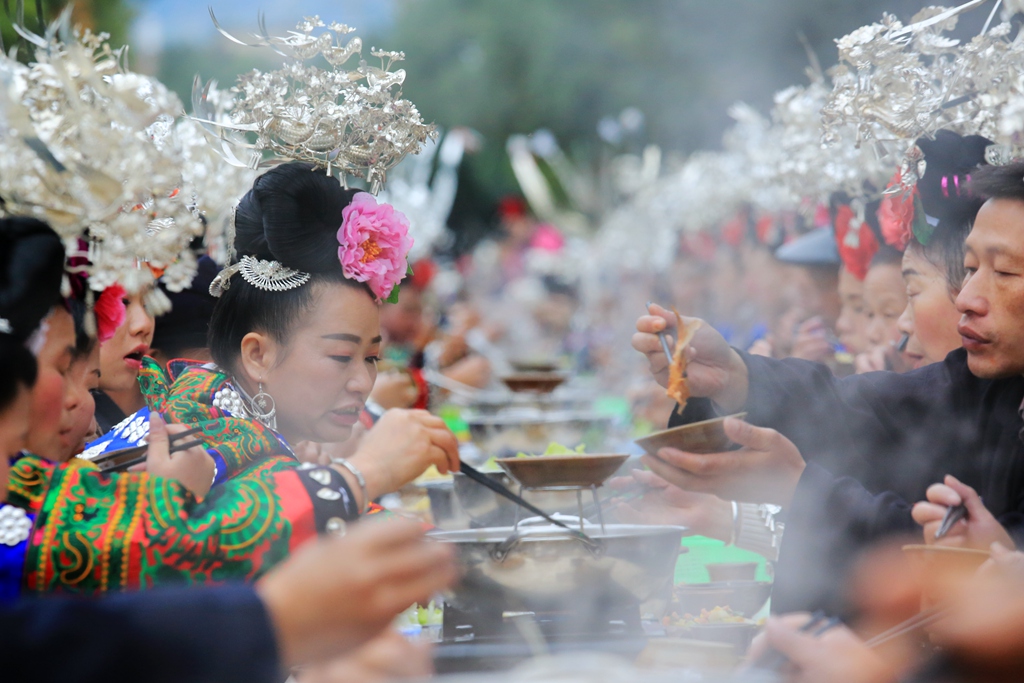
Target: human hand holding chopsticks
x=980 y=529
x=714 y=370
x=192 y=467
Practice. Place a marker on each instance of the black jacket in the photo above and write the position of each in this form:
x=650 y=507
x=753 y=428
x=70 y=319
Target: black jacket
x=201 y=635
x=874 y=443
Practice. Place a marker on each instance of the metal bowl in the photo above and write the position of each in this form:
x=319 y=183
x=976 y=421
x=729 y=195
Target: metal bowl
x=534 y=382
x=487 y=509
x=531 y=431
x=742 y=597
x=707 y=436
x=579 y=470
x=546 y=568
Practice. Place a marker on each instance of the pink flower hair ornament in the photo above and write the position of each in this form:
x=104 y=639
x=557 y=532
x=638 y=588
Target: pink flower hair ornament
x=373 y=245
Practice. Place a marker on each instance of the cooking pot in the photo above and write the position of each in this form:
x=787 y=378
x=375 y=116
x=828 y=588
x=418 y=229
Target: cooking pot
x=540 y=567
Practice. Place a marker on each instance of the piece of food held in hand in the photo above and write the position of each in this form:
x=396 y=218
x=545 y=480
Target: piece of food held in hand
x=678 y=389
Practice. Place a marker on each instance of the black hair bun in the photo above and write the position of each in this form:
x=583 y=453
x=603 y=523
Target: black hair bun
x=292 y=215
x=31 y=272
x=949 y=160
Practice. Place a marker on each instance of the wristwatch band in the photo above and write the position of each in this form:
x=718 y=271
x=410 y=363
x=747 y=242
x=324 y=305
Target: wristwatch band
x=759 y=530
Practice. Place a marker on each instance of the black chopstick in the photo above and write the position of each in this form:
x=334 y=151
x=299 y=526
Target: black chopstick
x=484 y=480
x=662 y=338
x=954 y=513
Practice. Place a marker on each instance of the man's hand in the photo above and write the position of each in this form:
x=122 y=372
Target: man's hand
x=192 y=468
x=766 y=470
x=980 y=530
x=664 y=503
x=335 y=594
x=838 y=655
x=714 y=370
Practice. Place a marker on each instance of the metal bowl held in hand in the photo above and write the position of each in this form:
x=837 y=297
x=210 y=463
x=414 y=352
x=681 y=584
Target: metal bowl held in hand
x=548 y=569
x=487 y=509
x=532 y=431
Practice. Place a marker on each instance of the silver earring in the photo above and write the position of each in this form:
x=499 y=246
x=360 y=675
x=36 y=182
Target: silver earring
x=263 y=408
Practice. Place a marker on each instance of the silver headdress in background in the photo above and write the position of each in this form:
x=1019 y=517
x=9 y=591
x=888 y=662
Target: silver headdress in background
x=895 y=84
x=354 y=122
x=85 y=146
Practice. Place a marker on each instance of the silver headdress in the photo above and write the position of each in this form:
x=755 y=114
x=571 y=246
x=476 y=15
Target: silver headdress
x=270 y=276
x=84 y=146
x=895 y=84
x=354 y=122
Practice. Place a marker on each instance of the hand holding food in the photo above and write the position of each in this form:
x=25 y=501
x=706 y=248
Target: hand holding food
x=978 y=530
x=400 y=447
x=678 y=389
x=765 y=470
x=714 y=370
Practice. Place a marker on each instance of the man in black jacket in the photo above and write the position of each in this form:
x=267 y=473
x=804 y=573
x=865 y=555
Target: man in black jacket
x=871 y=444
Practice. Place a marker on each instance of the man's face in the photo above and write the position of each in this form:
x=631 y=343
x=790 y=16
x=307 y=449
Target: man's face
x=991 y=302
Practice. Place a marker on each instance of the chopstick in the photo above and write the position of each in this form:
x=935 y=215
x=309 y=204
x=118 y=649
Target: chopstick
x=483 y=480
x=122 y=459
x=919 y=620
x=174 y=440
x=662 y=338
x=954 y=514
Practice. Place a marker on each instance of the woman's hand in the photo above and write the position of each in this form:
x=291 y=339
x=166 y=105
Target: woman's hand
x=714 y=369
x=473 y=370
x=980 y=530
x=400 y=447
x=335 y=594
x=395 y=389
x=664 y=503
x=766 y=470
x=193 y=468
x=387 y=657
x=811 y=341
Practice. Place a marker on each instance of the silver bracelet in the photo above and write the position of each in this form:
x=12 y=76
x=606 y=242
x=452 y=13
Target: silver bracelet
x=735 y=522
x=360 y=479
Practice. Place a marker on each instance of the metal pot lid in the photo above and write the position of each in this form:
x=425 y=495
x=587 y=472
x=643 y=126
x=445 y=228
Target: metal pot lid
x=530 y=532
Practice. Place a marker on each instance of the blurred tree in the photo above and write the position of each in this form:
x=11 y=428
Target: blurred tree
x=512 y=67
x=109 y=16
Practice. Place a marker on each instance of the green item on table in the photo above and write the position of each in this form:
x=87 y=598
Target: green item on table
x=555 y=449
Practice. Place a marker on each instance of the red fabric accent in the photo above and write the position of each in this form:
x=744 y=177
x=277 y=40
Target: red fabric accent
x=421 y=386
x=734 y=229
x=855 y=251
x=512 y=206
x=296 y=506
x=896 y=213
x=423 y=272
x=110 y=311
x=766 y=229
